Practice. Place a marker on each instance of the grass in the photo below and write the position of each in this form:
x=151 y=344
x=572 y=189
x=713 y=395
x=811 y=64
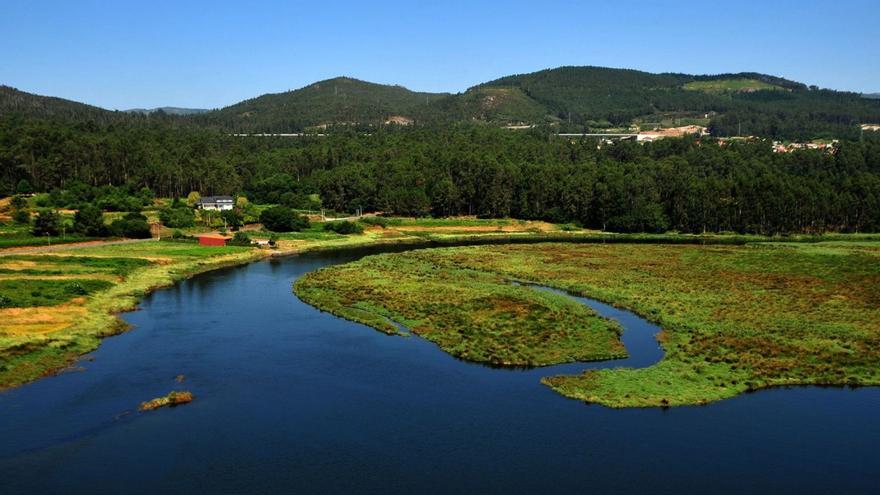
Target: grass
x=735 y=318
x=12 y=235
x=729 y=85
x=23 y=293
x=469 y=313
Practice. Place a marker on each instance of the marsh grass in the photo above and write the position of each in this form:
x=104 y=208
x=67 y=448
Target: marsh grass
x=735 y=318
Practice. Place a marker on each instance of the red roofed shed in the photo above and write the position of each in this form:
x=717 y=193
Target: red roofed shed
x=212 y=240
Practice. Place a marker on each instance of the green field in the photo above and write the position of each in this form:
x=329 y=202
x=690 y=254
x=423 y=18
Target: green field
x=729 y=85
x=20 y=235
x=735 y=318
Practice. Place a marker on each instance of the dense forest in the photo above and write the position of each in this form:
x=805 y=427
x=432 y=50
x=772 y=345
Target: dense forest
x=688 y=185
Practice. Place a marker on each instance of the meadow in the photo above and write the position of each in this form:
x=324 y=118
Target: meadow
x=735 y=318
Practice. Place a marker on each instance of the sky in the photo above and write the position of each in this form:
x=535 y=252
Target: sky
x=121 y=55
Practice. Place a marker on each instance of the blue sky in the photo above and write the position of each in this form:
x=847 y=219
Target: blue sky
x=119 y=54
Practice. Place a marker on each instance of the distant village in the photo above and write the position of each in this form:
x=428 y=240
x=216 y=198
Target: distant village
x=647 y=136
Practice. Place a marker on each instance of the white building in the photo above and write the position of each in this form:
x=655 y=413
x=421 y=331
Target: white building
x=216 y=203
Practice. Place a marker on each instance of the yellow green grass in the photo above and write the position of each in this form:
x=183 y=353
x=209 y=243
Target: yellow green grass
x=735 y=318
x=470 y=313
x=729 y=85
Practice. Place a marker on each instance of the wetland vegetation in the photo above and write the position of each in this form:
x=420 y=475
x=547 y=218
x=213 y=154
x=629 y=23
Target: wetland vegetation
x=735 y=318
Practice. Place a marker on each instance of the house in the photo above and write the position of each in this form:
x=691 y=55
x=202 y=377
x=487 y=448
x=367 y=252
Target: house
x=216 y=203
x=213 y=240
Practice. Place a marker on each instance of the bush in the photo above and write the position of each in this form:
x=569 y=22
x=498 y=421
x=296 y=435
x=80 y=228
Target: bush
x=47 y=222
x=377 y=221
x=233 y=218
x=193 y=198
x=177 y=218
x=89 y=221
x=24 y=187
x=283 y=219
x=133 y=225
x=21 y=216
x=76 y=289
x=344 y=227
x=5 y=301
x=239 y=239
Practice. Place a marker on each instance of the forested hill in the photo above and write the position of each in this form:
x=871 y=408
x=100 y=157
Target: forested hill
x=13 y=101
x=573 y=99
x=341 y=100
x=743 y=103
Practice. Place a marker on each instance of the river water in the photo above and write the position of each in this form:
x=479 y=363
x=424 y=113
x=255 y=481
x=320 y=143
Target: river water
x=293 y=400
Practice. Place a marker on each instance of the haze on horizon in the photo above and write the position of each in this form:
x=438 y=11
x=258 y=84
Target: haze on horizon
x=213 y=54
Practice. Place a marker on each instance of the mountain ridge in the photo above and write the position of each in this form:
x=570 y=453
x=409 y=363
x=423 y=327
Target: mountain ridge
x=572 y=98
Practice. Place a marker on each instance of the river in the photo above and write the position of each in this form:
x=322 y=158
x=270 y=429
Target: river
x=293 y=400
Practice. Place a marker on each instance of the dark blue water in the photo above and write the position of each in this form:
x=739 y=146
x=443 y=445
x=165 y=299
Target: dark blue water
x=292 y=400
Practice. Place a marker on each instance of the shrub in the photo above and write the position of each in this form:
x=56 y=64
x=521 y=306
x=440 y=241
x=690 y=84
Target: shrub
x=344 y=227
x=132 y=225
x=179 y=217
x=24 y=187
x=283 y=219
x=76 y=289
x=240 y=239
x=22 y=216
x=47 y=222
x=233 y=218
x=193 y=198
x=377 y=221
x=89 y=220
x=5 y=301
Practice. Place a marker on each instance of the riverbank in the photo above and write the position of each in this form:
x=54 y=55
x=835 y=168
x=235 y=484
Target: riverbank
x=39 y=340
x=40 y=336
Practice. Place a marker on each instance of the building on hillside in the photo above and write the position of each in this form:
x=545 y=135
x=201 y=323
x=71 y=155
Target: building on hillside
x=216 y=203
x=213 y=240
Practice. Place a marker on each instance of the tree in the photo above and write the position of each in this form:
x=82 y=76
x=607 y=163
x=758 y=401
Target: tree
x=89 y=221
x=132 y=225
x=47 y=222
x=283 y=219
x=177 y=218
x=20 y=212
x=192 y=199
x=24 y=187
x=233 y=218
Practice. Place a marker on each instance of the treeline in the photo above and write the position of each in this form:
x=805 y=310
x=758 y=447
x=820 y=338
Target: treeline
x=675 y=184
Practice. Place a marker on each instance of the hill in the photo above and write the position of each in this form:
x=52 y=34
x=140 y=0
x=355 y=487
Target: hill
x=747 y=103
x=341 y=100
x=574 y=99
x=13 y=101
